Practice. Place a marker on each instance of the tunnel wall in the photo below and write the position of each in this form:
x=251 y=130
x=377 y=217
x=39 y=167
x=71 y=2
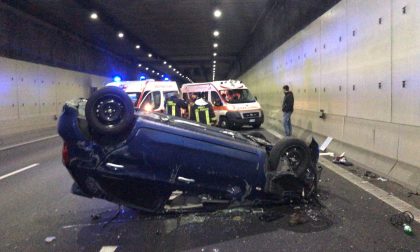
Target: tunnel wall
x=359 y=63
x=41 y=66
x=32 y=95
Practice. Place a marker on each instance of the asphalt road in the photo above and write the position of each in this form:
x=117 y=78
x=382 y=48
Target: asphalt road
x=36 y=203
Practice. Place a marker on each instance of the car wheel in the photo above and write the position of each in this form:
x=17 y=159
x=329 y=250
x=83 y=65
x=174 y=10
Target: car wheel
x=223 y=123
x=109 y=111
x=290 y=155
x=258 y=134
x=256 y=126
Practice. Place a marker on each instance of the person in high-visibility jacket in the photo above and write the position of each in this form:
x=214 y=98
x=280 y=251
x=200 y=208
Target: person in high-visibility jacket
x=203 y=112
x=174 y=104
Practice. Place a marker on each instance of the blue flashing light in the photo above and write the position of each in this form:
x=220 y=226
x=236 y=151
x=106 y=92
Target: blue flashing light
x=117 y=78
x=166 y=78
x=142 y=77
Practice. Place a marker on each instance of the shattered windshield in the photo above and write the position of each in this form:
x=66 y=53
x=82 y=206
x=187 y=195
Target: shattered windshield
x=237 y=96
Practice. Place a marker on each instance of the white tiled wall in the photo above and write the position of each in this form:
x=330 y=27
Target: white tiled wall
x=32 y=94
x=358 y=55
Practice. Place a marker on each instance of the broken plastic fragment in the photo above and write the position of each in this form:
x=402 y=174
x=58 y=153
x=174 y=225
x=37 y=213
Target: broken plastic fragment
x=49 y=239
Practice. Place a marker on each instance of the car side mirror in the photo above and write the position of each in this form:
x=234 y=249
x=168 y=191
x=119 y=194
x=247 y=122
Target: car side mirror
x=256 y=98
x=218 y=103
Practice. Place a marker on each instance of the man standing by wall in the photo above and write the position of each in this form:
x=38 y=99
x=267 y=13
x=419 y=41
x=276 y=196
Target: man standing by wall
x=287 y=109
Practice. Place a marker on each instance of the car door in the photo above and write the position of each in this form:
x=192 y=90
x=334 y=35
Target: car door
x=151 y=102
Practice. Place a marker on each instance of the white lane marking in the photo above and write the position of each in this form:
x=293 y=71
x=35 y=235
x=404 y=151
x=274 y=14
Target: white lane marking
x=108 y=249
x=18 y=171
x=368 y=187
x=28 y=142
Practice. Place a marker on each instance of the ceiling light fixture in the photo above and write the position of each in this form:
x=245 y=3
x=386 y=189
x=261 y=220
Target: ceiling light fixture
x=214 y=54
x=147 y=69
x=137 y=47
x=94 y=16
x=139 y=65
x=217 y=13
x=170 y=66
x=216 y=33
x=215 y=45
x=164 y=62
x=149 y=55
x=121 y=35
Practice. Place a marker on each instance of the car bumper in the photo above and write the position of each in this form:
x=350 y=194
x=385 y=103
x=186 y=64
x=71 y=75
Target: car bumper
x=236 y=119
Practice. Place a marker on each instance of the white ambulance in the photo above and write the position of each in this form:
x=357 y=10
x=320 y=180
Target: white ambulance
x=148 y=95
x=233 y=103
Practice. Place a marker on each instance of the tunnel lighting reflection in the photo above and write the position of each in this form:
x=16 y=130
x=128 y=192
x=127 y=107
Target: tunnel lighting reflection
x=216 y=33
x=215 y=45
x=94 y=16
x=121 y=35
x=217 y=13
x=117 y=78
x=137 y=47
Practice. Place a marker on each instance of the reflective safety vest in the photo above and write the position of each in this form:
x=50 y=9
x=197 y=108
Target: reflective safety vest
x=203 y=114
x=171 y=108
x=202 y=109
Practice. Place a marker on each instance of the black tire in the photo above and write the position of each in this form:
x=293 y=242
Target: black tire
x=256 y=126
x=109 y=111
x=223 y=123
x=294 y=152
x=258 y=134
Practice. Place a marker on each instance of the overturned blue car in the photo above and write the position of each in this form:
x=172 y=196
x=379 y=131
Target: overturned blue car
x=139 y=159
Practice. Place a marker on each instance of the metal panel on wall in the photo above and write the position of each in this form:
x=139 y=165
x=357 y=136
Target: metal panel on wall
x=406 y=62
x=311 y=72
x=8 y=90
x=47 y=94
x=28 y=89
x=369 y=59
x=334 y=60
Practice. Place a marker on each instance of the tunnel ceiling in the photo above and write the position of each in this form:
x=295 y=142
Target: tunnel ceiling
x=177 y=31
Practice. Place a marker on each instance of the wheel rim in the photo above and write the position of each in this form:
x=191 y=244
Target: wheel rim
x=109 y=110
x=293 y=156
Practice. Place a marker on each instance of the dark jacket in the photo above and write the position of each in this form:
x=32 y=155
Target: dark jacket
x=173 y=106
x=288 y=102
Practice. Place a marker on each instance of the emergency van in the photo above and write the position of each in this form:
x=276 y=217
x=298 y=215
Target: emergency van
x=148 y=95
x=233 y=103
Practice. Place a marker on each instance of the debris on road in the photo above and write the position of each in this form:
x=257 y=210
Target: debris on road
x=411 y=194
x=342 y=160
x=271 y=216
x=95 y=217
x=370 y=175
x=403 y=219
x=382 y=179
x=297 y=219
x=50 y=239
x=330 y=154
